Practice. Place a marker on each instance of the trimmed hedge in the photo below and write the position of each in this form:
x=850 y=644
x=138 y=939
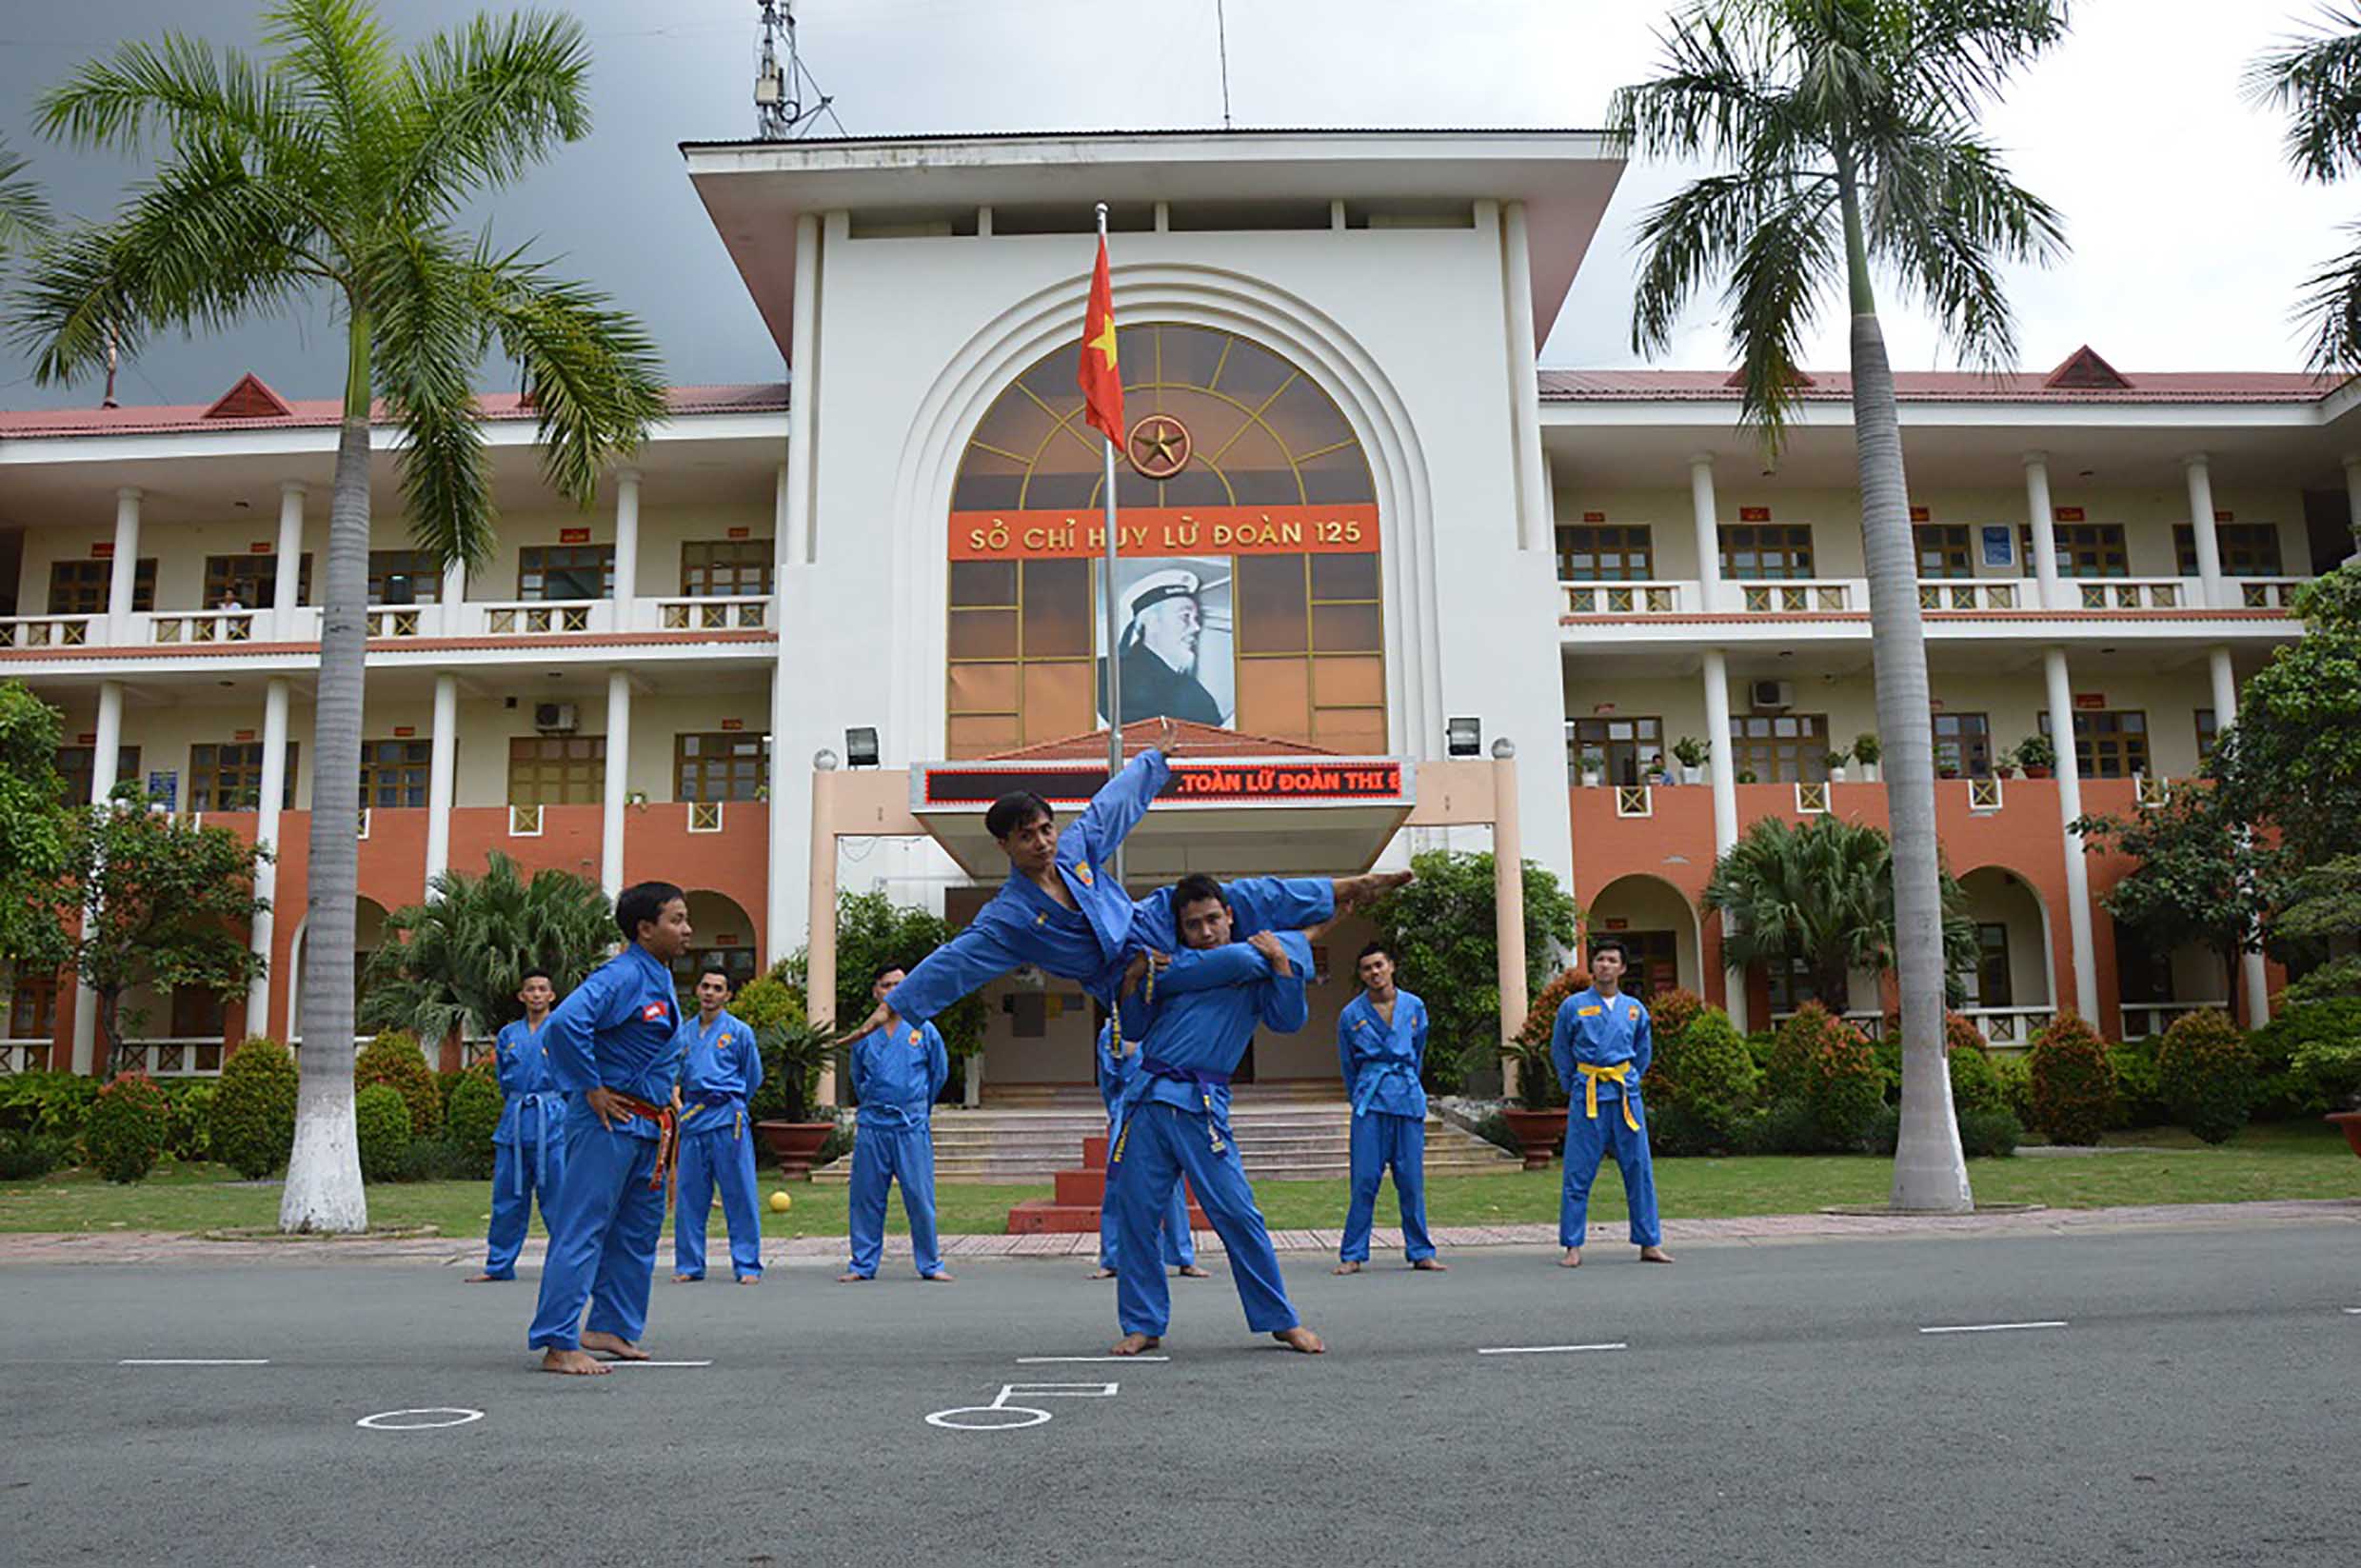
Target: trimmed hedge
x=1828 y=1068
x=126 y=1129
x=2072 y=1082
x=2015 y=1077
x=52 y=1103
x=475 y=1106
x=254 y=1109
x=381 y=1124
x=1671 y=1012
x=1974 y=1082
x=2140 y=1095
x=27 y=1154
x=394 y=1060
x=2300 y=1059
x=188 y=1136
x=1704 y=1078
x=2207 y=1074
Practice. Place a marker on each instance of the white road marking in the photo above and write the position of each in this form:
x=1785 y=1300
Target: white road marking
x=1992 y=1328
x=1548 y=1350
x=656 y=1363
x=1032 y=1414
x=384 y=1420
x=192 y=1360
x=2352 y=1312
x=1043 y=1361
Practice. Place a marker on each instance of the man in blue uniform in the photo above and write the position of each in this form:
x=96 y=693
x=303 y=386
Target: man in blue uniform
x=1194 y=1018
x=1179 y=1246
x=614 y=1050
x=1381 y=1049
x=720 y=1071
x=1600 y=1045
x=528 y=1153
x=898 y=1069
x=1063 y=911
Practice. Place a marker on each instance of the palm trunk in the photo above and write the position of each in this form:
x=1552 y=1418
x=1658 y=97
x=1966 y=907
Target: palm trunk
x=323 y=1172
x=1930 y=1169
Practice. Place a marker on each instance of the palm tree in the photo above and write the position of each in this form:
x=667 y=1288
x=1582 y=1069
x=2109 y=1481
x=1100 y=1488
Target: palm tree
x=456 y=961
x=1848 y=131
x=1821 y=894
x=24 y=213
x=2315 y=80
x=337 y=169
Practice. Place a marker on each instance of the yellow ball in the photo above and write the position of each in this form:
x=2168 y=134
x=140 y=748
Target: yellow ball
x=781 y=1202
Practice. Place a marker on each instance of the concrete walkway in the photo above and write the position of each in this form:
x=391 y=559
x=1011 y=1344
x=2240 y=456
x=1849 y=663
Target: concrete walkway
x=148 y=1247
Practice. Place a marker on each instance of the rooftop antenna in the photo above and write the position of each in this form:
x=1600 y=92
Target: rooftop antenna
x=1222 y=37
x=782 y=91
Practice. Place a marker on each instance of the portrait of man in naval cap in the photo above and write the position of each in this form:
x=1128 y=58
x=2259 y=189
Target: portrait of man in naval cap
x=1173 y=641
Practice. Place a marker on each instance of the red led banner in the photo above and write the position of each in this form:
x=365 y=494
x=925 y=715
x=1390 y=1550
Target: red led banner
x=1040 y=535
x=1313 y=781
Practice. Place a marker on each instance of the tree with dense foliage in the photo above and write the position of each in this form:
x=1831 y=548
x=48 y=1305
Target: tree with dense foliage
x=2292 y=762
x=2206 y=1072
x=1445 y=937
x=36 y=827
x=1821 y=893
x=2200 y=876
x=872 y=930
x=456 y=961
x=2317 y=925
x=1847 y=138
x=337 y=170
x=2315 y=80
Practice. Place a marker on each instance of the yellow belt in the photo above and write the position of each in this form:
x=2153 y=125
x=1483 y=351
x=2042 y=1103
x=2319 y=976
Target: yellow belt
x=1616 y=1074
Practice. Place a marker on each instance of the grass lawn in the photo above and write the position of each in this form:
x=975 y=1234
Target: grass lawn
x=2291 y=1160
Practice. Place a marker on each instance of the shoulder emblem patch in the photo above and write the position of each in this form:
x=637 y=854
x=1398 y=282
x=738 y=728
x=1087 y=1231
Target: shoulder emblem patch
x=1081 y=873
x=651 y=1013
x=1588 y=1012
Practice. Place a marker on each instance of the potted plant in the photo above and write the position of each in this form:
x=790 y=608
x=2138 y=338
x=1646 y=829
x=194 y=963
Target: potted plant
x=2036 y=755
x=793 y=1053
x=637 y=799
x=1690 y=753
x=2004 y=765
x=1594 y=767
x=1745 y=775
x=1837 y=760
x=1946 y=766
x=1538 y=1115
x=1866 y=750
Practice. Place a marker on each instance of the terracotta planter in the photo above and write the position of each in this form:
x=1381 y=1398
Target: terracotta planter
x=1538 y=1133
x=2351 y=1123
x=2036 y=772
x=796 y=1145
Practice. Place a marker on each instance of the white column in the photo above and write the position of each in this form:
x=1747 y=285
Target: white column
x=803 y=387
x=1708 y=531
x=819 y=967
x=2255 y=974
x=454 y=597
x=1533 y=518
x=103 y=781
x=123 y=577
x=285 y=596
x=1508 y=906
x=442 y=761
x=618 y=777
x=2069 y=807
x=2043 y=520
x=273 y=791
x=2201 y=524
x=626 y=546
x=1724 y=762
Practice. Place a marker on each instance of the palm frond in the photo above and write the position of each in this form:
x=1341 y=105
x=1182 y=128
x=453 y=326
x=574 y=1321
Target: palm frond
x=175 y=86
x=1940 y=217
x=426 y=342
x=1782 y=273
x=1710 y=96
x=24 y=211
x=338 y=58
x=458 y=961
x=1691 y=237
x=1968 y=49
x=2315 y=80
x=479 y=106
x=2329 y=308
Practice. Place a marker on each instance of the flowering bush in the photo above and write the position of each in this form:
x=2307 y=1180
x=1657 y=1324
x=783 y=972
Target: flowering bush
x=394 y=1060
x=2207 y=1074
x=124 y=1131
x=1825 y=1066
x=2074 y=1082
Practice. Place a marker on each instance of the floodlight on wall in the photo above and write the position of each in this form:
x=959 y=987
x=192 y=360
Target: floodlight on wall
x=1464 y=737
x=1504 y=749
x=861 y=748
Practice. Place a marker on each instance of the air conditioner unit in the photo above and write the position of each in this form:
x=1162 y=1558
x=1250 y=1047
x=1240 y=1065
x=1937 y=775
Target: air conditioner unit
x=1770 y=696
x=554 y=717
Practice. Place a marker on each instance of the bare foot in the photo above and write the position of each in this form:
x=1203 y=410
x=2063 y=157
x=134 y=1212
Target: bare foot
x=1571 y=1260
x=1103 y=1273
x=939 y=1277
x=1135 y=1344
x=1190 y=1271
x=614 y=1344
x=849 y=1278
x=573 y=1363
x=1301 y=1338
x=750 y=1278
x=687 y=1279
x=1431 y=1265
x=1654 y=1255
x=1346 y=1268
x=488 y=1278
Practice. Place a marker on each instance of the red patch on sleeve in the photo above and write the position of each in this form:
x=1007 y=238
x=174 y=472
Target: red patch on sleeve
x=652 y=1012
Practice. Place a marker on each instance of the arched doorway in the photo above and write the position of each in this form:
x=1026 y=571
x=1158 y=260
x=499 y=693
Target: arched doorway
x=2007 y=988
x=1656 y=926
x=369 y=934
x=724 y=940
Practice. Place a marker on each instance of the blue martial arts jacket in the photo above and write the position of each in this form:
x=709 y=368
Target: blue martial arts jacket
x=1381 y=1061
x=720 y=1071
x=1203 y=1013
x=1094 y=941
x=532 y=1106
x=620 y=1030
x=1592 y=1030
x=897 y=1071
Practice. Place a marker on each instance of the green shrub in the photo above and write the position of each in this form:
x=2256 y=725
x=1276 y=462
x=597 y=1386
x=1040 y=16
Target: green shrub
x=394 y=1060
x=2207 y=1074
x=2286 y=1088
x=1675 y=1131
x=1784 y=1126
x=1974 y=1082
x=434 y=1160
x=51 y=1103
x=1990 y=1134
x=2336 y=1067
x=1493 y=1129
x=1828 y=1064
x=381 y=1124
x=254 y=1109
x=1705 y=1075
x=126 y=1129
x=1670 y=1013
x=1885 y=1131
x=27 y=1154
x=188 y=1136
x=2140 y=1095
x=2015 y=1077
x=2074 y=1083
x=475 y=1107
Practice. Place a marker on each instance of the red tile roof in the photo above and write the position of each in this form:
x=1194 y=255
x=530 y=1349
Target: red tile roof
x=1947 y=386
x=1192 y=740
x=316 y=412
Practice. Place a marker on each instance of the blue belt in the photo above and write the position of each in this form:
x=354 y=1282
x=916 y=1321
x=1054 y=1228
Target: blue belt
x=550 y=1107
x=1377 y=1072
x=708 y=1100
x=1205 y=1081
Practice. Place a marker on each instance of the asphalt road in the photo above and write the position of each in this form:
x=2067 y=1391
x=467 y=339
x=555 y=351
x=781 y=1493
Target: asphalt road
x=1775 y=1405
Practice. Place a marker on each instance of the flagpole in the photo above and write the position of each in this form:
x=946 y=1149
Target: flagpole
x=1114 y=666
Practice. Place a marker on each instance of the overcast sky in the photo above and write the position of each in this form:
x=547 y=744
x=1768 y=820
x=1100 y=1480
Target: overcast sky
x=2191 y=238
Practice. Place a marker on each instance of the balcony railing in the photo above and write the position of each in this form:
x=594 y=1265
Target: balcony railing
x=2142 y=1019
x=49 y=631
x=177 y=1055
x=1978 y=593
x=2009 y=1026
x=749 y=612
x=535 y=617
x=2268 y=593
x=16 y=1056
x=2137 y=593
x=1805 y=596
x=1627 y=598
x=168 y=628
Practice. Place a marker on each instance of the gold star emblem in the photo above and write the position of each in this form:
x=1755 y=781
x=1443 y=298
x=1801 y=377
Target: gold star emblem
x=1158 y=447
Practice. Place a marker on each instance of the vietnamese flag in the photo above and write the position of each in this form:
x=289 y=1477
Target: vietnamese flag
x=1101 y=383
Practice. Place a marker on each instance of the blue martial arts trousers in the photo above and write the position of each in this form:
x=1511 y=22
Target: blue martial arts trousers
x=884 y=1154
x=518 y=1172
x=602 y=1234
x=1381 y=1141
x=1587 y=1141
x=708 y=1161
x=1179 y=1246
x=1159 y=1143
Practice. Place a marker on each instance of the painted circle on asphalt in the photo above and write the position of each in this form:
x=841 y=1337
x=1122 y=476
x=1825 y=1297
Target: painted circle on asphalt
x=440 y=1416
x=1031 y=1418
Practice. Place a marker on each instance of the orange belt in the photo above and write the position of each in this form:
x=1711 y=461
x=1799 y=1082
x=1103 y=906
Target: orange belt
x=667 y=1139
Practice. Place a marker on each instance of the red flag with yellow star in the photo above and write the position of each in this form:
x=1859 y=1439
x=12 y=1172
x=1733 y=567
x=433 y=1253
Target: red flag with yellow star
x=1101 y=383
